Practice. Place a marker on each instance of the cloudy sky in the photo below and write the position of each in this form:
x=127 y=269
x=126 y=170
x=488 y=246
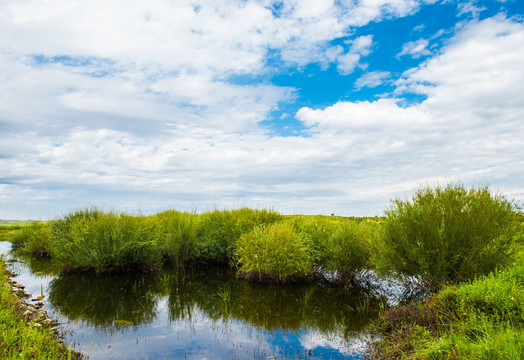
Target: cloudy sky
x=304 y=106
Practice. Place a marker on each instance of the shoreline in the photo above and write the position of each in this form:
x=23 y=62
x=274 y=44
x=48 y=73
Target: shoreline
x=31 y=332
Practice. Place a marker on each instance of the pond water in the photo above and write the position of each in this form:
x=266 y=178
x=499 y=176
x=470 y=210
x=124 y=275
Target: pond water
x=199 y=314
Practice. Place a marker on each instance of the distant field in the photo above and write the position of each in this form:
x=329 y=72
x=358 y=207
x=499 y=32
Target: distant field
x=9 y=228
x=14 y=222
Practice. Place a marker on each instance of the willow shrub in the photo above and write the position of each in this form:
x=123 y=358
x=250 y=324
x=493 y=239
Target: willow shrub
x=448 y=234
x=275 y=250
x=339 y=245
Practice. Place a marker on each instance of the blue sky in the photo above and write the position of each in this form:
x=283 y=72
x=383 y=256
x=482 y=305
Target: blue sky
x=312 y=107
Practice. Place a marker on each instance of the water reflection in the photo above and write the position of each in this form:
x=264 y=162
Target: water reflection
x=202 y=313
x=107 y=301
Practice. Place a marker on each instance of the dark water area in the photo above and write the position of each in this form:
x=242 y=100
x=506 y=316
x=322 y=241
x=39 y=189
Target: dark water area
x=199 y=314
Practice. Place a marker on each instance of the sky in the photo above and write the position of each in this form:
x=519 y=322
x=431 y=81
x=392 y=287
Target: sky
x=304 y=107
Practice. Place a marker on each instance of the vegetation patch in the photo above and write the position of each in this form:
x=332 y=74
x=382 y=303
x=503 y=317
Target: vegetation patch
x=26 y=333
x=449 y=234
x=275 y=251
x=478 y=320
x=471 y=245
x=466 y=245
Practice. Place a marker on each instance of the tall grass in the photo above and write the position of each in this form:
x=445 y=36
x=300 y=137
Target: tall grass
x=482 y=319
x=98 y=240
x=95 y=240
x=343 y=245
x=448 y=234
x=218 y=231
x=276 y=250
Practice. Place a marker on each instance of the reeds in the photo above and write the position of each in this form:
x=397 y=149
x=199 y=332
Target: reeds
x=92 y=239
x=442 y=234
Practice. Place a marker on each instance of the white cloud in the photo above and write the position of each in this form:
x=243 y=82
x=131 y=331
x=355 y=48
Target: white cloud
x=469 y=128
x=140 y=114
x=470 y=8
x=372 y=79
x=415 y=48
x=361 y=46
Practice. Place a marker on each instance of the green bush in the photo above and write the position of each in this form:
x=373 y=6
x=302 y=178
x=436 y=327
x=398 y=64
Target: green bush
x=275 y=250
x=448 y=234
x=339 y=245
x=218 y=231
x=34 y=238
x=96 y=240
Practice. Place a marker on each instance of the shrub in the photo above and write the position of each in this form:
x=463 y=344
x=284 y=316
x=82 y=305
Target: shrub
x=448 y=234
x=275 y=250
x=343 y=246
x=218 y=231
x=34 y=239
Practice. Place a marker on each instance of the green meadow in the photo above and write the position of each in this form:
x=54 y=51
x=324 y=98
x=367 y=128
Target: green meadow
x=464 y=244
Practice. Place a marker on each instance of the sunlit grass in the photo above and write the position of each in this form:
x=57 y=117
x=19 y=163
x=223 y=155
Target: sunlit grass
x=21 y=338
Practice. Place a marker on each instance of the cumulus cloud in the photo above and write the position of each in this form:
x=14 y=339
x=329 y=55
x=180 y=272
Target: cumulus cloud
x=140 y=110
x=347 y=62
x=468 y=128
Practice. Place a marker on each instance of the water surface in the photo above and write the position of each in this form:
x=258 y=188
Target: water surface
x=199 y=314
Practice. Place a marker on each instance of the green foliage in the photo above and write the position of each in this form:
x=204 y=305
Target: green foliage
x=176 y=234
x=218 y=231
x=340 y=244
x=98 y=240
x=35 y=238
x=9 y=230
x=21 y=338
x=482 y=319
x=448 y=234
x=276 y=250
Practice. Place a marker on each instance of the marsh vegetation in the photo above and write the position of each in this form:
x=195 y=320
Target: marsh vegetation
x=463 y=245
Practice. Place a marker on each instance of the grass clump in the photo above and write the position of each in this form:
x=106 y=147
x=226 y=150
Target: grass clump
x=448 y=234
x=207 y=237
x=176 y=234
x=98 y=240
x=35 y=238
x=218 y=231
x=483 y=319
x=21 y=338
x=92 y=240
x=276 y=251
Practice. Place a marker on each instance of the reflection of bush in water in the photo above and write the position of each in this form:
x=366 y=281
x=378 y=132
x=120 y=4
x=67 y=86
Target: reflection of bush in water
x=115 y=301
x=108 y=301
x=221 y=296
